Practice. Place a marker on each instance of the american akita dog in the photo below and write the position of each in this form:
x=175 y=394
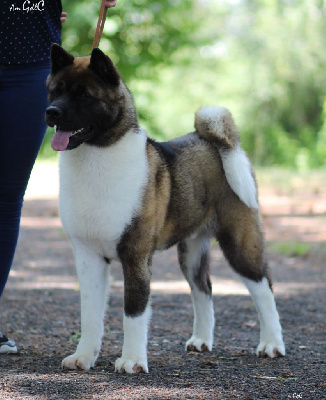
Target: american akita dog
x=123 y=196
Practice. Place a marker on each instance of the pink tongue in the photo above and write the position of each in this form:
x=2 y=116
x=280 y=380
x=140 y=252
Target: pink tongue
x=60 y=140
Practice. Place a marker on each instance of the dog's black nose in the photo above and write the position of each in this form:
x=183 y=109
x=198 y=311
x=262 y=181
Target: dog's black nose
x=53 y=112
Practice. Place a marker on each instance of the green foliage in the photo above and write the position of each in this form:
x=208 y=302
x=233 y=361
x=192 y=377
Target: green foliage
x=262 y=59
x=46 y=151
x=291 y=249
x=287 y=84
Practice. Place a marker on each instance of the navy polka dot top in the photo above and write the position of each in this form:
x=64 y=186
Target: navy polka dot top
x=27 y=30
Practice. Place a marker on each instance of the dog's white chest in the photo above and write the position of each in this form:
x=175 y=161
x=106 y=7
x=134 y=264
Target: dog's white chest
x=101 y=190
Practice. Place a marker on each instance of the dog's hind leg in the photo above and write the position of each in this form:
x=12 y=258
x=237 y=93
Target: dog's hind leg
x=242 y=243
x=194 y=261
x=92 y=271
x=271 y=341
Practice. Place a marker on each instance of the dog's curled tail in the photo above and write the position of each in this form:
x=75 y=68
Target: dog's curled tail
x=216 y=125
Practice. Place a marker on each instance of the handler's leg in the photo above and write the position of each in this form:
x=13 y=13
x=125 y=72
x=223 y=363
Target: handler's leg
x=23 y=100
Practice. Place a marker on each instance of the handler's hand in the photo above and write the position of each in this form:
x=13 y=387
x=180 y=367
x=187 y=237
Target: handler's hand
x=63 y=17
x=110 y=3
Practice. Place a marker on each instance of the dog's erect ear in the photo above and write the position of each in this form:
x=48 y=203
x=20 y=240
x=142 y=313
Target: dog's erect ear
x=103 y=67
x=60 y=58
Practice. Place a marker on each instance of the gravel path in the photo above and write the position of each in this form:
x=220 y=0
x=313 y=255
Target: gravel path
x=40 y=310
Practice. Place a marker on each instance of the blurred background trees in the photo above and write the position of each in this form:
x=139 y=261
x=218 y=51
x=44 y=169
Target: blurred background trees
x=263 y=59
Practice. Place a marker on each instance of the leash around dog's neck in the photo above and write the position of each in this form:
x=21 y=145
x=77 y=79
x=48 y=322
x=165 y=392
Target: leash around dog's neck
x=100 y=24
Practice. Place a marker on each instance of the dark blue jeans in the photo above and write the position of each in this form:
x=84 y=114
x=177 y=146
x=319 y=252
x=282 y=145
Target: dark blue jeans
x=23 y=101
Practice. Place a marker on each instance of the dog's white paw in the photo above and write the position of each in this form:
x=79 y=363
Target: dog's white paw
x=271 y=348
x=78 y=361
x=130 y=366
x=197 y=344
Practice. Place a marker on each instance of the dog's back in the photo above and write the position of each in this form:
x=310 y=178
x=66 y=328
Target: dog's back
x=210 y=177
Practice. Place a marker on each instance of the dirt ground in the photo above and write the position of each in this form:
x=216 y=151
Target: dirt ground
x=40 y=311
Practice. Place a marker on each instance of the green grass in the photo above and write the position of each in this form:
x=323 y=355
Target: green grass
x=75 y=337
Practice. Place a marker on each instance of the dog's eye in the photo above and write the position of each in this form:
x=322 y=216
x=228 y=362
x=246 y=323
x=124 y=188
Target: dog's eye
x=82 y=95
x=59 y=89
x=79 y=92
x=54 y=94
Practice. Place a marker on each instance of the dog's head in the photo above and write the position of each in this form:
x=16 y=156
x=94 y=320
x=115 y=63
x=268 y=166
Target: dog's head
x=88 y=102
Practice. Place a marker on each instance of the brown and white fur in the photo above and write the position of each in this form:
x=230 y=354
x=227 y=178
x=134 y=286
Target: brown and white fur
x=124 y=196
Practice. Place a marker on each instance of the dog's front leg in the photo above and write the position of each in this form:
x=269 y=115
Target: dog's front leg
x=92 y=273
x=137 y=314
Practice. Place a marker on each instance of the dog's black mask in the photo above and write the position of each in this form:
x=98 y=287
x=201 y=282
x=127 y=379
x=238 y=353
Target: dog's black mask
x=82 y=97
